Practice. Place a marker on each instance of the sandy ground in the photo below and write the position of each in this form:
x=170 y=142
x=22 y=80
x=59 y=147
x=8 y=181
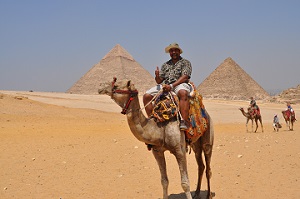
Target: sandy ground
x=66 y=146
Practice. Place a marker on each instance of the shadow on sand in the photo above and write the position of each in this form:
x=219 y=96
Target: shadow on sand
x=182 y=195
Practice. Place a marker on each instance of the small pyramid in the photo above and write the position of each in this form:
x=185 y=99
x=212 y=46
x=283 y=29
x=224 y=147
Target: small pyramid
x=116 y=63
x=230 y=81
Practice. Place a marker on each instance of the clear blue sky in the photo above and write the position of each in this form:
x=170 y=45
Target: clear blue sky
x=47 y=45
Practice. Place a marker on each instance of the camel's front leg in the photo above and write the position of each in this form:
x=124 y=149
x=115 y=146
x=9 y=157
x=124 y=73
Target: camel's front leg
x=247 y=124
x=161 y=161
x=180 y=155
x=287 y=125
x=290 y=124
x=256 y=126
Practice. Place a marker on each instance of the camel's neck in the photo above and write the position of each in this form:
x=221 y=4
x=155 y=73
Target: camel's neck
x=137 y=120
x=135 y=113
x=245 y=114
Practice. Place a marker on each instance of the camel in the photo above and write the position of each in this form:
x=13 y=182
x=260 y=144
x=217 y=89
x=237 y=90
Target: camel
x=252 y=117
x=289 y=119
x=164 y=137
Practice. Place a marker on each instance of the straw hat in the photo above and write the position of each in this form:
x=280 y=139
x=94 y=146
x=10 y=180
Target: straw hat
x=173 y=45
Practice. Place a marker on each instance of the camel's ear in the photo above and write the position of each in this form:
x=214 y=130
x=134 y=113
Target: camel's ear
x=128 y=83
x=130 y=86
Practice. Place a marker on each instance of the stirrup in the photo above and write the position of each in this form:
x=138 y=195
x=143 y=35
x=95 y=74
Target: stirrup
x=183 y=125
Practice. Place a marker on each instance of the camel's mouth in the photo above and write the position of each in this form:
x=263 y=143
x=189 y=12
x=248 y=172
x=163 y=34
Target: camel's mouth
x=101 y=91
x=104 y=88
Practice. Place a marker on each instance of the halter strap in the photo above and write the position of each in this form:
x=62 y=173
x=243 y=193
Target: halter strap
x=132 y=94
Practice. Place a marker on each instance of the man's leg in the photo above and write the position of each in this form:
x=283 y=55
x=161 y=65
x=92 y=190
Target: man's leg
x=184 y=105
x=148 y=96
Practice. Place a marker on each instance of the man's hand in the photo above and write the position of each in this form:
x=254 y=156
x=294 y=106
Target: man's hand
x=157 y=72
x=157 y=78
x=167 y=88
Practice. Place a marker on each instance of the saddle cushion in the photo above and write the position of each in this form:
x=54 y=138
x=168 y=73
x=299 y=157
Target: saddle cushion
x=165 y=107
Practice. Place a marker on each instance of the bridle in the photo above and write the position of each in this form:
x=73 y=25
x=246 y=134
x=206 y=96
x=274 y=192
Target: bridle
x=132 y=94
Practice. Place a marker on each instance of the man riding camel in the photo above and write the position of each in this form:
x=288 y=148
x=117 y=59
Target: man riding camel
x=254 y=106
x=289 y=107
x=174 y=76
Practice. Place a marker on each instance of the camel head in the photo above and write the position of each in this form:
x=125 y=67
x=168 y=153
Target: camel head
x=109 y=87
x=105 y=88
x=241 y=109
x=122 y=92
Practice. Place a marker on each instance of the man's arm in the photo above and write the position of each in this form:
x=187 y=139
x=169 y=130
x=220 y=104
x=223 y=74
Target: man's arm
x=182 y=79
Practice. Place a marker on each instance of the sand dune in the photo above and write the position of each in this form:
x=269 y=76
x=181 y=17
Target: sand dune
x=57 y=145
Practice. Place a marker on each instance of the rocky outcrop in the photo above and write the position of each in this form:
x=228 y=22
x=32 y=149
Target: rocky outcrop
x=291 y=95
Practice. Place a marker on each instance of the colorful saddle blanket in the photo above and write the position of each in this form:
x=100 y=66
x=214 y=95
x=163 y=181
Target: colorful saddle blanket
x=254 y=111
x=166 y=107
x=198 y=118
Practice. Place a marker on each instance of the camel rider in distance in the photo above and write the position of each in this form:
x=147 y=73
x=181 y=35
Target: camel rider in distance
x=174 y=76
x=289 y=107
x=254 y=105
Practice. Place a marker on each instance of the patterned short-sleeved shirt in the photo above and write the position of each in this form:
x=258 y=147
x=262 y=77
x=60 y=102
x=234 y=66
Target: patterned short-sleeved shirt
x=172 y=72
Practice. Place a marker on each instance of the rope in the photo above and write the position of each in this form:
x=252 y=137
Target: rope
x=155 y=96
x=178 y=110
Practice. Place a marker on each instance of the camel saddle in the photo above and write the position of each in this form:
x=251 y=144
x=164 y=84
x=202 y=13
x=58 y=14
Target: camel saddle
x=253 y=111
x=166 y=108
x=289 y=114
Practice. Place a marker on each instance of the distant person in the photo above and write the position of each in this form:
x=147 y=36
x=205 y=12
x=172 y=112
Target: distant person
x=289 y=107
x=276 y=124
x=174 y=76
x=254 y=106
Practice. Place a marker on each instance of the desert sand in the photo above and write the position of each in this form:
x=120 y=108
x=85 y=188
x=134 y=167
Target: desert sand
x=67 y=146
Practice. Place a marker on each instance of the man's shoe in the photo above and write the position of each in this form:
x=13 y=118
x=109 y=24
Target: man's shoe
x=183 y=125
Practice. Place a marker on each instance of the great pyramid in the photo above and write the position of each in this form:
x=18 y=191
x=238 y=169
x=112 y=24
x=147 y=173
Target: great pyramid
x=230 y=81
x=116 y=63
